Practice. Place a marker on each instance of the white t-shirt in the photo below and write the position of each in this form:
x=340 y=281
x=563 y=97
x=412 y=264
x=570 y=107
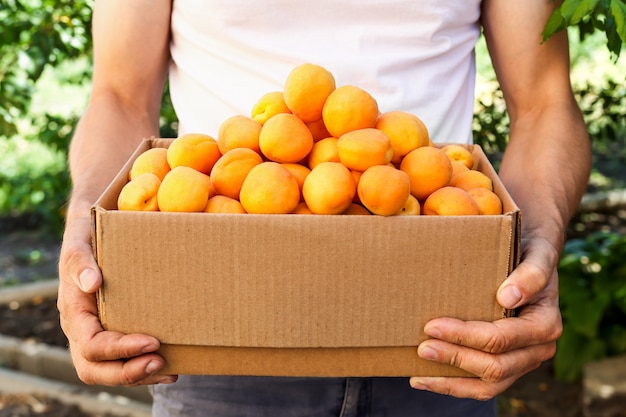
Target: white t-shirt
x=416 y=56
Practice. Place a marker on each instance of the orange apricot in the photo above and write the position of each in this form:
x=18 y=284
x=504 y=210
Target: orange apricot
x=239 y=132
x=324 y=150
x=231 y=169
x=222 y=204
x=450 y=201
x=471 y=179
x=349 y=108
x=357 y=210
x=410 y=208
x=306 y=89
x=302 y=208
x=184 y=189
x=405 y=132
x=428 y=168
x=140 y=193
x=488 y=202
x=194 y=150
x=318 y=130
x=300 y=173
x=459 y=153
x=360 y=149
x=285 y=138
x=268 y=105
x=383 y=189
x=153 y=160
x=457 y=167
x=269 y=188
x=329 y=188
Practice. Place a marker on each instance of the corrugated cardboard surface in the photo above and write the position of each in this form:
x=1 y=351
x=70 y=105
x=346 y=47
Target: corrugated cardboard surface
x=298 y=294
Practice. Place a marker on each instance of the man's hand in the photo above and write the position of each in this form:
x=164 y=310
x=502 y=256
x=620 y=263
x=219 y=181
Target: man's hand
x=100 y=357
x=501 y=352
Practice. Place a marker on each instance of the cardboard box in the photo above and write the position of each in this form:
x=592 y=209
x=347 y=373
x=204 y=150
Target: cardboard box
x=306 y=295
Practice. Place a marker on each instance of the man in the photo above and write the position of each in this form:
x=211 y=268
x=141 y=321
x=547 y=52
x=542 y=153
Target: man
x=414 y=56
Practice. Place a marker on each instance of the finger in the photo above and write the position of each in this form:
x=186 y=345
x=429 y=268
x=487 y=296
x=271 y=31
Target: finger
x=140 y=370
x=495 y=373
x=460 y=387
x=77 y=261
x=533 y=275
x=536 y=324
x=491 y=368
x=80 y=318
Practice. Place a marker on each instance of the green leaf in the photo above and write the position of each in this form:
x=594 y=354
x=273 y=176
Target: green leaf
x=618 y=10
x=573 y=11
x=555 y=23
x=614 y=43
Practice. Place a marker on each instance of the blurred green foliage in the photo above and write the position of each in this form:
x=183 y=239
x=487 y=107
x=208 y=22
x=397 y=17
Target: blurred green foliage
x=603 y=105
x=37 y=35
x=593 y=302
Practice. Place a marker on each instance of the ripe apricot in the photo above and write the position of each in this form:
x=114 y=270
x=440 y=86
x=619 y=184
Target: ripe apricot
x=285 y=138
x=450 y=201
x=231 y=169
x=318 y=130
x=383 y=189
x=153 y=160
x=471 y=179
x=194 y=150
x=410 y=208
x=269 y=105
x=222 y=204
x=428 y=168
x=269 y=188
x=349 y=108
x=360 y=149
x=239 y=132
x=357 y=210
x=459 y=153
x=488 y=202
x=302 y=208
x=357 y=176
x=329 y=188
x=184 y=189
x=306 y=89
x=324 y=150
x=140 y=193
x=458 y=167
x=405 y=132
x=300 y=172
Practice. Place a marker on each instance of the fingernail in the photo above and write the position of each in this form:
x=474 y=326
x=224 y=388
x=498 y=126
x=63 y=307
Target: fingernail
x=510 y=296
x=170 y=379
x=88 y=279
x=152 y=367
x=417 y=384
x=432 y=331
x=150 y=347
x=426 y=352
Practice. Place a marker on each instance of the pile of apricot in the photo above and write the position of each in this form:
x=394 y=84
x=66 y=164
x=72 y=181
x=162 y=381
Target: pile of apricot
x=313 y=148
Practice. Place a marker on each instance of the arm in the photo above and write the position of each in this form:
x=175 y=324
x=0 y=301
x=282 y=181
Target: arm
x=545 y=167
x=130 y=66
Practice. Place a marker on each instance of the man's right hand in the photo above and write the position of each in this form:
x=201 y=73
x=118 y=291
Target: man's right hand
x=100 y=357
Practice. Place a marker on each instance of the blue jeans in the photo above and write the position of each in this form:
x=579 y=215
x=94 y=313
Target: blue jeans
x=231 y=396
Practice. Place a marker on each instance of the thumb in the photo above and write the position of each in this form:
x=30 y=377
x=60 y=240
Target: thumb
x=77 y=262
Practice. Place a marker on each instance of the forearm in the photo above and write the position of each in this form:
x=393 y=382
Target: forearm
x=105 y=137
x=546 y=167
